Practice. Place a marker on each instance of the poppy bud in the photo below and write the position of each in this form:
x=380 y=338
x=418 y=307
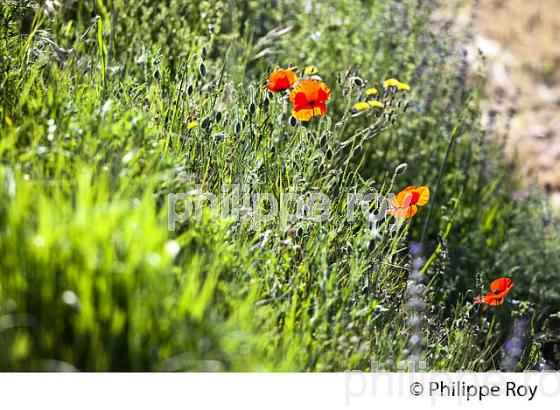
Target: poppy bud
x=202 y=70
x=252 y=108
x=204 y=51
x=293 y=121
x=237 y=127
x=266 y=100
x=218 y=116
x=401 y=168
x=205 y=123
x=358 y=82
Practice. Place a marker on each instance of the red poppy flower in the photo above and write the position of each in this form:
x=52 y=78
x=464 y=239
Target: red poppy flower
x=281 y=80
x=309 y=98
x=405 y=203
x=498 y=291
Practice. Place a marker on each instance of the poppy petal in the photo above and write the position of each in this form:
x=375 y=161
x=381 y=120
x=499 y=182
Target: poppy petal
x=300 y=100
x=411 y=195
x=281 y=80
x=323 y=94
x=501 y=285
x=404 y=213
x=322 y=108
x=424 y=193
x=493 y=300
x=302 y=113
x=309 y=99
x=398 y=200
x=498 y=291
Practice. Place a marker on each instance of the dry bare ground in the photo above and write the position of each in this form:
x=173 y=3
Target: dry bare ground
x=520 y=40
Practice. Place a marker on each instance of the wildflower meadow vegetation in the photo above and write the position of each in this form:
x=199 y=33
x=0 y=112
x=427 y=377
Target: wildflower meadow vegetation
x=109 y=107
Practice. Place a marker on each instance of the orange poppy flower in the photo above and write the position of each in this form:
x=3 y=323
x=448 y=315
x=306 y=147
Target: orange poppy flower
x=281 y=80
x=405 y=203
x=309 y=98
x=498 y=291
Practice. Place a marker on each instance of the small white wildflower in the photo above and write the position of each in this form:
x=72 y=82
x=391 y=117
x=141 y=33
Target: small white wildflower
x=316 y=36
x=129 y=155
x=70 y=298
x=106 y=107
x=172 y=248
x=153 y=259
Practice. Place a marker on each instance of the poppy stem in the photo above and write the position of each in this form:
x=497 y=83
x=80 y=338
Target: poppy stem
x=450 y=142
x=489 y=334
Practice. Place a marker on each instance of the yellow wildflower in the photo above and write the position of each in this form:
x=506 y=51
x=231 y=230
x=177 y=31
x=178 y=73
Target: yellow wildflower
x=310 y=70
x=9 y=121
x=361 y=106
x=403 y=86
x=375 y=103
x=393 y=82
x=192 y=125
x=371 y=91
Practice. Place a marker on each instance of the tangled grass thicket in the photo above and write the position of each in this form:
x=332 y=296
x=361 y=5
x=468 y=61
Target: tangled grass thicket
x=107 y=107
